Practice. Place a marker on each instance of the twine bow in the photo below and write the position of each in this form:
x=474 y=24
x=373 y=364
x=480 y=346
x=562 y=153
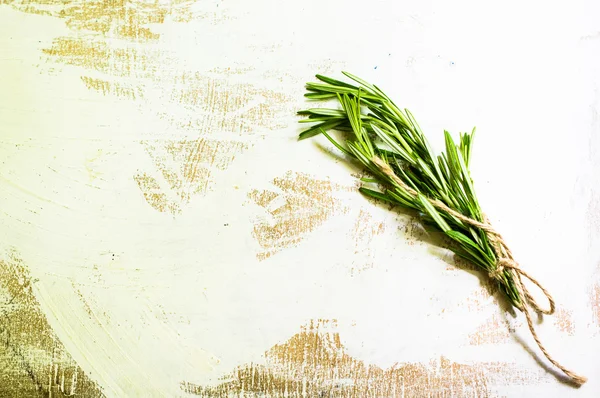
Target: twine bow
x=505 y=263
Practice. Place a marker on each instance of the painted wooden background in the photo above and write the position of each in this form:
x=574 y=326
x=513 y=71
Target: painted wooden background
x=163 y=233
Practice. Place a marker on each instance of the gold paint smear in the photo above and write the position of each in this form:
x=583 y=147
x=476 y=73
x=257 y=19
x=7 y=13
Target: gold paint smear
x=33 y=362
x=593 y=213
x=363 y=233
x=105 y=87
x=35 y=10
x=113 y=18
x=494 y=331
x=206 y=151
x=95 y=54
x=476 y=302
x=233 y=104
x=232 y=71
x=124 y=19
x=186 y=166
x=154 y=195
x=206 y=105
x=314 y=363
x=218 y=104
x=120 y=18
x=595 y=301
x=304 y=204
x=564 y=321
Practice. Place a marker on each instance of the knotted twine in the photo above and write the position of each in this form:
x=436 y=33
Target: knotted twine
x=505 y=263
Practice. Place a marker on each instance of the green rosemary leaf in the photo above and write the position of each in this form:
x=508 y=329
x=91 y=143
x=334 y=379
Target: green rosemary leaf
x=375 y=194
x=433 y=213
x=393 y=129
x=335 y=82
x=328 y=88
x=461 y=252
x=319 y=96
x=323 y=112
x=409 y=181
x=337 y=145
x=314 y=130
x=369 y=180
x=359 y=152
x=469 y=244
x=474 y=210
x=466 y=145
x=402 y=198
x=320 y=119
x=452 y=159
x=393 y=145
x=363 y=83
x=427 y=171
x=443 y=165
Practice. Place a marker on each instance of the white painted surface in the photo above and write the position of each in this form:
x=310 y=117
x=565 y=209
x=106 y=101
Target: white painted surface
x=183 y=297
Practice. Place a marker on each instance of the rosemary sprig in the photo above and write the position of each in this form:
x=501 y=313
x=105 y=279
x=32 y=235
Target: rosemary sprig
x=390 y=144
x=377 y=128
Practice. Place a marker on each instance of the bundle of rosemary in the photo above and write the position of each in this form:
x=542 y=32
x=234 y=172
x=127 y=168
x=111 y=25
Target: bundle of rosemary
x=389 y=143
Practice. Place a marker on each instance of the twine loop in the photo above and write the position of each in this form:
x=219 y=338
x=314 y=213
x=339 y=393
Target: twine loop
x=505 y=266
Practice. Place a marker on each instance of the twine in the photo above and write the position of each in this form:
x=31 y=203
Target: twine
x=505 y=264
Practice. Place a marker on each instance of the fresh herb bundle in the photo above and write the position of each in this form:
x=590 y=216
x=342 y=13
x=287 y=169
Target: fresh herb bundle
x=388 y=142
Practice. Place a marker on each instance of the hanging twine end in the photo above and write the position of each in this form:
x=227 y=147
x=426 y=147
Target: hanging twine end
x=580 y=380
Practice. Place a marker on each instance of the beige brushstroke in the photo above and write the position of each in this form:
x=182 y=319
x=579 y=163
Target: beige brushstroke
x=300 y=205
x=208 y=103
x=112 y=88
x=186 y=167
x=593 y=216
x=563 y=320
x=97 y=55
x=494 y=331
x=363 y=233
x=33 y=362
x=595 y=302
x=477 y=301
x=232 y=71
x=154 y=194
x=219 y=104
x=116 y=18
x=315 y=363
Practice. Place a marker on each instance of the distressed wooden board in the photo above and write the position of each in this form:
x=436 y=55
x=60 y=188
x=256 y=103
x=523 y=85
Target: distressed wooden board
x=162 y=232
